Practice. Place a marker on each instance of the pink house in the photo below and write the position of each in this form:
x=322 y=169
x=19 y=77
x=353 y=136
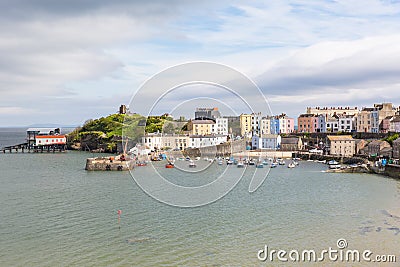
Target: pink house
x=290 y=125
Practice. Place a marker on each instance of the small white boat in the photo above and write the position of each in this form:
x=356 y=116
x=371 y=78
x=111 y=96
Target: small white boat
x=334 y=166
x=192 y=164
x=333 y=162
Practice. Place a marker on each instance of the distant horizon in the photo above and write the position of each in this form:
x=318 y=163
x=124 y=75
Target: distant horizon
x=44 y=125
x=186 y=116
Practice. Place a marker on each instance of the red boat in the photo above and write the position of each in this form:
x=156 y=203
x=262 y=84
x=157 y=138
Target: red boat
x=169 y=166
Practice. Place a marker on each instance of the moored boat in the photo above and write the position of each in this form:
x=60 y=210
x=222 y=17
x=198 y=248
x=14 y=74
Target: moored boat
x=274 y=164
x=291 y=165
x=192 y=164
x=169 y=166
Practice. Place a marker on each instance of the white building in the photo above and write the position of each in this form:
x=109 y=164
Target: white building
x=265 y=125
x=42 y=140
x=255 y=122
x=45 y=137
x=161 y=141
x=197 y=141
x=221 y=126
x=332 y=124
x=347 y=123
x=266 y=141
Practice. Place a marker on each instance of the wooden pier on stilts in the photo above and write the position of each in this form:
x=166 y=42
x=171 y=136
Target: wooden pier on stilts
x=24 y=147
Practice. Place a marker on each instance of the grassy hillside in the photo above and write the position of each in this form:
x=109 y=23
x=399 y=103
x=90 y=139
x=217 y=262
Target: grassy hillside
x=104 y=133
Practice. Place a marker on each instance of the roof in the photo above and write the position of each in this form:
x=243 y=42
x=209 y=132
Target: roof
x=307 y=115
x=340 y=138
x=359 y=140
x=207 y=136
x=369 y=109
x=290 y=140
x=269 y=135
x=332 y=118
x=42 y=130
x=396 y=119
x=203 y=122
x=346 y=116
x=386 y=149
x=377 y=142
x=49 y=136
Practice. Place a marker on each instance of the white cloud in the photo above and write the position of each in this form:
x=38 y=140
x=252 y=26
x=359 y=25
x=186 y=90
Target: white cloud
x=84 y=53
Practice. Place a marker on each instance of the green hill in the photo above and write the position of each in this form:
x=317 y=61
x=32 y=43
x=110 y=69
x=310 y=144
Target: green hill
x=105 y=133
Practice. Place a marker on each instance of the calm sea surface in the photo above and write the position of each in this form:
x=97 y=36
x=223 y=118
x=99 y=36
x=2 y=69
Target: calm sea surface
x=54 y=213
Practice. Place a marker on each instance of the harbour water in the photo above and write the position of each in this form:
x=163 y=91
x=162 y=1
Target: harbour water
x=54 y=213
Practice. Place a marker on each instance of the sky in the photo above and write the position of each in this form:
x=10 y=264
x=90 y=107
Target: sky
x=64 y=62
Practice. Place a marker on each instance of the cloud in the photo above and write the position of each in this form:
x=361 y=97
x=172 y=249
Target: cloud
x=68 y=56
x=365 y=63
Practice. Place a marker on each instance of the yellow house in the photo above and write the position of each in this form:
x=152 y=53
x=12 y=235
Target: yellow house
x=201 y=127
x=342 y=145
x=245 y=124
